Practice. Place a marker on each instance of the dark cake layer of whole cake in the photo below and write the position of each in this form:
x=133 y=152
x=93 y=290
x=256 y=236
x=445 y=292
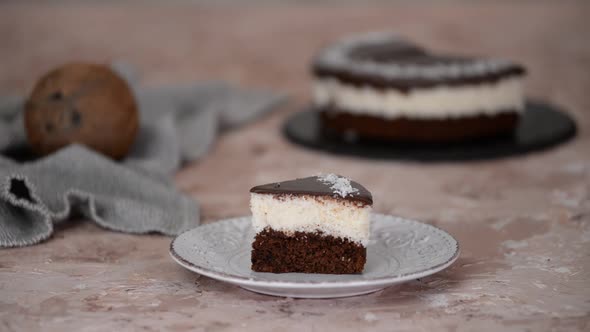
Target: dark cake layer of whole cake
x=419 y=130
x=277 y=252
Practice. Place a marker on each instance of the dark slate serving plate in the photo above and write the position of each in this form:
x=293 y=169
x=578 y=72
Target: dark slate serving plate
x=542 y=126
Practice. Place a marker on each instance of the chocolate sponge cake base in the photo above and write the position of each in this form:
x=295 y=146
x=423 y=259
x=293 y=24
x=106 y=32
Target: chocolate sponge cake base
x=277 y=252
x=342 y=124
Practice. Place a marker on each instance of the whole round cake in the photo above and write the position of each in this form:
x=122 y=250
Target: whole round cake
x=379 y=86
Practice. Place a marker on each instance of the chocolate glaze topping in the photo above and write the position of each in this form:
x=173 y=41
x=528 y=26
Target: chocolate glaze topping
x=315 y=187
x=386 y=61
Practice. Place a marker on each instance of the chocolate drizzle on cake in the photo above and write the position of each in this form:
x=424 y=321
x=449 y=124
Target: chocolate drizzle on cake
x=324 y=185
x=384 y=60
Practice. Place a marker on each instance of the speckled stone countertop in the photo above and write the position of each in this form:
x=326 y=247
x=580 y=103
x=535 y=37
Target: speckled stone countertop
x=523 y=223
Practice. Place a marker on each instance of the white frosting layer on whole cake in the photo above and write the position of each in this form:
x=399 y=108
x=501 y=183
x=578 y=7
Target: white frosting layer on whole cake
x=291 y=213
x=438 y=102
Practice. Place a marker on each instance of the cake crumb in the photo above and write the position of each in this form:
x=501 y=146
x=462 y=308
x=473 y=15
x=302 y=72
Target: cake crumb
x=370 y=317
x=339 y=184
x=562 y=270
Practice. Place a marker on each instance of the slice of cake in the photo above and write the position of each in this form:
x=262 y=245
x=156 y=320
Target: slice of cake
x=318 y=224
x=379 y=86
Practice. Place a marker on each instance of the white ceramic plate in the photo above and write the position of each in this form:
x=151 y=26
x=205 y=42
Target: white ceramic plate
x=400 y=250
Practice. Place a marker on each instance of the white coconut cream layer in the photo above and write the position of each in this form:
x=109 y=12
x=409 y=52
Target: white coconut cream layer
x=345 y=219
x=438 y=102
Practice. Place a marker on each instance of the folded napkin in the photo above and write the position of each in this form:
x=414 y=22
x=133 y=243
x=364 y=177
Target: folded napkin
x=136 y=195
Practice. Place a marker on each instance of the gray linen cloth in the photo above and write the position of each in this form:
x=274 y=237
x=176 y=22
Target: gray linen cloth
x=178 y=124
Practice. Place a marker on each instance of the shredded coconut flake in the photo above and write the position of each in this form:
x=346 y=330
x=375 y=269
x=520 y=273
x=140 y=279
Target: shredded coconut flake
x=339 y=185
x=370 y=317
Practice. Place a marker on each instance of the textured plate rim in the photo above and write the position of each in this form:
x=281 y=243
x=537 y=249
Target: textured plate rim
x=382 y=281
